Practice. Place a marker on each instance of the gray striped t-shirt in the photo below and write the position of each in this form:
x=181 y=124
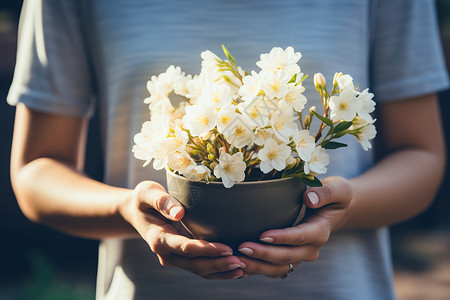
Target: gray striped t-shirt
x=77 y=55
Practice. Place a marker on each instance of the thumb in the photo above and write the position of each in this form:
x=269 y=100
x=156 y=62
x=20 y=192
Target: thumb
x=153 y=195
x=335 y=190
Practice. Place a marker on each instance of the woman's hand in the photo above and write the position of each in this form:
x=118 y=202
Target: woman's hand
x=302 y=242
x=153 y=213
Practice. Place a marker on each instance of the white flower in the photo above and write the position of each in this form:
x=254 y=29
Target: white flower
x=273 y=156
x=199 y=119
x=215 y=94
x=231 y=168
x=180 y=161
x=294 y=98
x=160 y=87
x=164 y=83
x=305 y=144
x=195 y=87
x=159 y=150
x=262 y=135
x=257 y=111
x=160 y=106
x=345 y=82
x=146 y=133
x=225 y=116
x=251 y=87
x=143 y=140
x=209 y=62
x=239 y=133
x=367 y=105
x=180 y=84
x=179 y=141
x=279 y=59
x=150 y=134
x=142 y=152
x=365 y=134
x=344 y=106
x=318 y=161
x=282 y=122
x=197 y=173
x=176 y=115
x=211 y=70
x=274 y=85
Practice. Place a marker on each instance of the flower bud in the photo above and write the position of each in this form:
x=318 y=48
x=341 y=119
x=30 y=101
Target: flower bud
x=210 y=148
x=207 y=136
x=213 y=165
x=211 y=157
x=336 y=76
x=195 y=152
x=311 y=111
x=307 y=121
x=319 y=81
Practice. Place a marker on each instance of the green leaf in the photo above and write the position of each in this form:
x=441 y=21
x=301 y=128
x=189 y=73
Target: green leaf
x=341 y=134
x=293 y=79
x=228 y=54
x=323 y=119
x=314 y=183
x=334 y=145
x=304 y=77
x=342 y=126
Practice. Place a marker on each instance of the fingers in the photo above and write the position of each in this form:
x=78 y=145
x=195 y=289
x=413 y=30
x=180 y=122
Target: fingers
x=152 y=195
x=315 y=231
x=335 y=190
x=210 y=268
x=257 y=267
x=205 y=259
x=164 y=240
x=280 y=255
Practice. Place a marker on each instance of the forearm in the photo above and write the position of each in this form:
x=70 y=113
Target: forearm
x=399 y=187
x=55 y=194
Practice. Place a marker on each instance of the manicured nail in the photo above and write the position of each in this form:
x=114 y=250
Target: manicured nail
x=243 y=265
x=226 y=253
x=174 y=211
x=267 y=239
x=233 y=266
x=238 y=277
x=313 y=198
x=246 y=251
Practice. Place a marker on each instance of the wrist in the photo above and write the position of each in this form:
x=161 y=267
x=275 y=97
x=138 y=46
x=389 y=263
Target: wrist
x=348 y=212
x=123 y=211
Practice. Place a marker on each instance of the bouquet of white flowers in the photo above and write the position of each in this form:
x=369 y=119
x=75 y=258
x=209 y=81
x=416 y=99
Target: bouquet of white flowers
x=233 y=126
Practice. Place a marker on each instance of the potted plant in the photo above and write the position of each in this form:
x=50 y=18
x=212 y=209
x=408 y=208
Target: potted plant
x=238 y=149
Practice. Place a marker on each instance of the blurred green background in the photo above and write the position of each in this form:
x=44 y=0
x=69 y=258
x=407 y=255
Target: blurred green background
x=40 y=263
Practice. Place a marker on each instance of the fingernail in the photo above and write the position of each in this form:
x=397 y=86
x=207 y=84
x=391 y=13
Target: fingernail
x=233 y=266
x=246 y=251
x=238 y=277
x=267 y=239
x=243 y=265
x=313 y=198
x=226 y=253
x=174 y=211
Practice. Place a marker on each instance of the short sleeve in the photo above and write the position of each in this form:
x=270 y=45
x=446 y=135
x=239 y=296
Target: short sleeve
x=406 y=54
x=52 y=72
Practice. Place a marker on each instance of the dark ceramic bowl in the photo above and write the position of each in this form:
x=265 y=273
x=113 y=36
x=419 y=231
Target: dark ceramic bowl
x=238 y=214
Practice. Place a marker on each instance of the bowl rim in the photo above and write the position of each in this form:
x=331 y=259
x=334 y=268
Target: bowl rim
x=240 y=183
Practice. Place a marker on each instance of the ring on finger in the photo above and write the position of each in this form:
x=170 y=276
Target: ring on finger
x=291 y=269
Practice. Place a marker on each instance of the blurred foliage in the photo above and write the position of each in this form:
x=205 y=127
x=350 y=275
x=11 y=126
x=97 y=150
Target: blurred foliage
x=45 y=284
x=443 y=11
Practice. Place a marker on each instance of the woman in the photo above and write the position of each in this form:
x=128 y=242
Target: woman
x=71 y=52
